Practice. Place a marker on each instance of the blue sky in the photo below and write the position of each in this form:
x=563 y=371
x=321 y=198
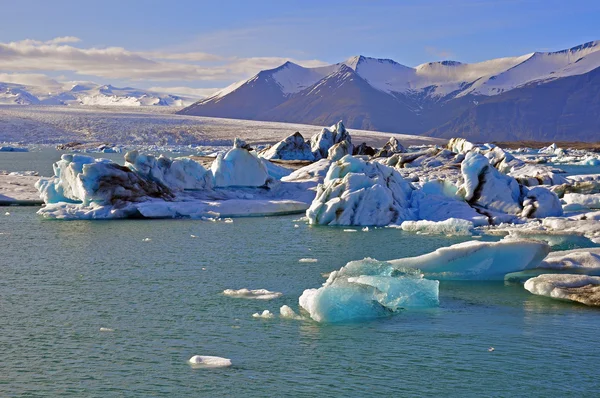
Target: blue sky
x=229 y=40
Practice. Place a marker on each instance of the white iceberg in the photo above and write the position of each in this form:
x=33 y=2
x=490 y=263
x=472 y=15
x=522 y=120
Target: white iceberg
x=580 y=288
x=368 y=289
x=340 y=150
x=266 y=314
x=239 y=168
x=475 y=260
x=451 y=226
x=357 y=192
x=590 y=201
x=293 y=147
x=539 y=202
x=177 y=174
x=256 y=294
x=486 y=187
x=328 y=137
x=85 y=180
x=206 y=361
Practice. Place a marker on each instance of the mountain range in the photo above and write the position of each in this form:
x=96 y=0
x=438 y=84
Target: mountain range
x=87 y=94
x=542 y=96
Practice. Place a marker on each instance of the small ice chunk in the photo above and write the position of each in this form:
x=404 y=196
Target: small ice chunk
x=349 y=230
x=7 y=214
x=266 y=314
x=296 y=226
x=308 y=260
x=258 y=294
x=451 y=226
x=206 y=361
x=106 y=330
x=193 y=236
x=365 y=229
x=288 y=313
x=228 y=220
x=146 y=240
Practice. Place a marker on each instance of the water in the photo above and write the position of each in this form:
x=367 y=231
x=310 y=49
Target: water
x=63 y=281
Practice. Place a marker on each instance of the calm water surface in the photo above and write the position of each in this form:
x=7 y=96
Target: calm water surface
x=63 y=281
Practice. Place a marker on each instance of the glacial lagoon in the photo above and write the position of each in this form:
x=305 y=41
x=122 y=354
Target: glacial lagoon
x=110 y=308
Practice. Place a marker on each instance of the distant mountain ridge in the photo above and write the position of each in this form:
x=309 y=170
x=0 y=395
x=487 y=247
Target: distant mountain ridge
x=88 y=94
x=481 y=101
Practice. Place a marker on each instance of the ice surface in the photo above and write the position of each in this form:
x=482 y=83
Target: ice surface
x=451 y=226
x=368 y=289
x=17 y=189
x=258 y=294
x=580 y=288
x=205 y=361
x=340 y=150
x=475 y=260
x=357 y=192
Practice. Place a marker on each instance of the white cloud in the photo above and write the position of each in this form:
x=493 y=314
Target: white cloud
x=185 y=91
x=120 y=63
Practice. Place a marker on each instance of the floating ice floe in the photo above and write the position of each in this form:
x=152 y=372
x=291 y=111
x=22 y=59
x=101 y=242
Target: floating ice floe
x=257 y=294
x=287 y=313
x=308 y=260
x=368 y=289
x=13 y=149
x=266 y=314
x=451 y=226
x=476 y=260
x=206 y=361
x=580 y=288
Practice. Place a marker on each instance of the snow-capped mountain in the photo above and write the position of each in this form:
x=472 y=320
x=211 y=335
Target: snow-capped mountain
x=382 y=94
x=88 y=93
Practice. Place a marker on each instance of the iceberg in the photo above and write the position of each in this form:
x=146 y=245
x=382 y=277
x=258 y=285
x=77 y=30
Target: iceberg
x=266 y=314
x=257 y=294
x=577 y=260
x=177 y=174
x=239 y=168
x=85 y=180
x=539 y=202
x=475 y=260
x=206 y=362
x=590 y=201
x=368 y=289
x=287 y=313
x=328 y=137
x=357 y=192
x=340 y=150
x=579 y=288
x=390 y=148
x=486 y=187
x=451 y=226
x=293 y=147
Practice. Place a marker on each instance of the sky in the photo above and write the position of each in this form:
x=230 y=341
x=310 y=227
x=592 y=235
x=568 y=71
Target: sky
x=195 y=47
